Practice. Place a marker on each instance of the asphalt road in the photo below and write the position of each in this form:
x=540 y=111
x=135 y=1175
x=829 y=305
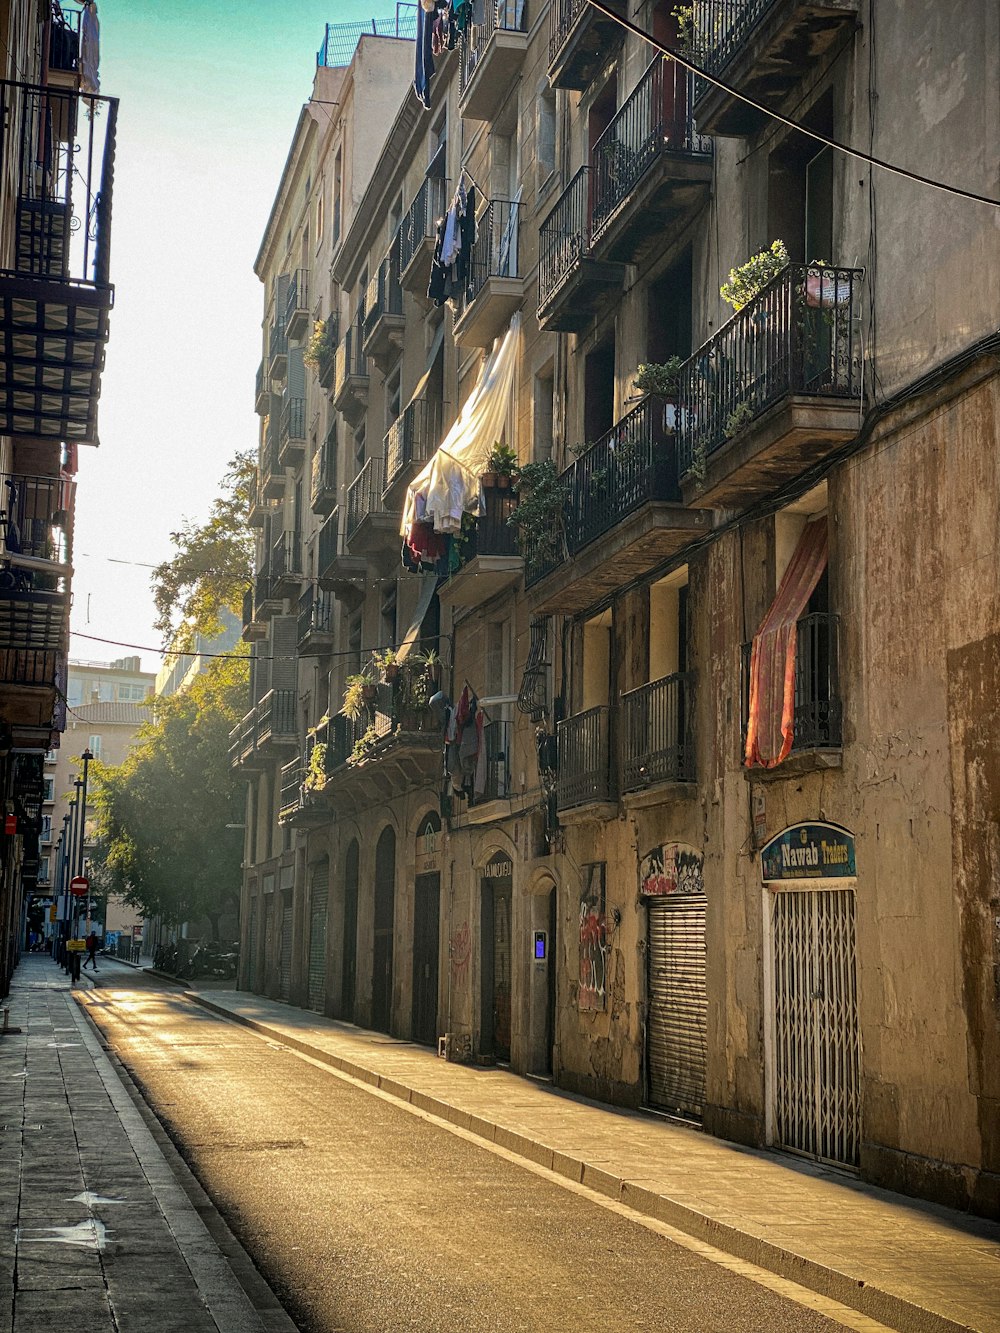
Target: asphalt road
x=365 y=1218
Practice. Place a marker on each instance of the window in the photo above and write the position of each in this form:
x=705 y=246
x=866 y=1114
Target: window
x=48 y=789
x=337 y=186
x=800 y=191
x=543 y=417
x=599 y=391
x=43 y=870
x=94 y=746
x=545 y=134
x=392 y=398
x=359 y=449
x=354 y=644
x=319 y=215
x=51 y=756
x=668 y=625
x=596 y=661
x=46 y=828
x=387 y=627
x=668 y=313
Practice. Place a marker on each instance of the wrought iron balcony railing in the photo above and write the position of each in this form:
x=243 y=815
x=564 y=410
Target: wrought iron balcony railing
x=64 y=41
x=584 y=746
x=276 y=716
x=495 y=253
x=657 y=732
x=498 y=16
x=564 y=236
x=654 y=119
x=364 y=496
x=350 y=361
x=384 y=295
x=497 y=738
x=286 y=556
x=411 y=438
x=493 y=533
x=293 y=421
x=429 y=203
x=297 y=302
x=293 y=774
x=316 y=613
x=277 y=343
x=323 y=487
x=35 y=517
x=818 y=716
x=328 y=546
x=798 y=336
x=248 y=607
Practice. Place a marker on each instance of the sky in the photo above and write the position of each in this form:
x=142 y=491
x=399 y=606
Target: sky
x=210 y=92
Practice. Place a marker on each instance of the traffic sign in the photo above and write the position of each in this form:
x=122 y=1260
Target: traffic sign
x=79 y=885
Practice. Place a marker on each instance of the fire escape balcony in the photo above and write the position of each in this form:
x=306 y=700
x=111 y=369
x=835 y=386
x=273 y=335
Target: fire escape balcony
x=286 y=564
x=316 y=620
x=56 y=296
x=254 y=624
x=581 y=39
x=622 y=515
x=277 y=728
x=777 y=389
x=338 y=571
x=350 y=375
x=298 y=317
x=271 y=472
x=370 y=526
x=262 y=393
x=494 y=287
x=572 y=285
x=657 y=734
x=417 y=235
x=586 y=783
x=383 y=324
x=491 y=560
x=409 y=443
x=492 y=56
x=323 y=482
x=650 y=169
x=763 y=47
x=277 y=350
x=292 y=432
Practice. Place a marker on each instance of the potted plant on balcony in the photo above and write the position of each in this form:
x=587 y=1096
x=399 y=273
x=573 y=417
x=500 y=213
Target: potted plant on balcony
x=431 y=663
x=319 y=350
x=501 y=467
x=316 y=772
x=539 y=516
x=363 y=746
x=360 y=692
x=750 y=279
x=389 y=664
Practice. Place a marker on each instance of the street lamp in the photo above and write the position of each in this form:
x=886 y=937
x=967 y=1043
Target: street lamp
x=74 y=845
x=68 y=827
x=86 y=757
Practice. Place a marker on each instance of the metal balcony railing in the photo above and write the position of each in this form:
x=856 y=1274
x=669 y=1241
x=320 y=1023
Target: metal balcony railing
x=272 y=448
x=316 y=613
x=584 y=746
x=384 y=295
x=364 y=496
x=657 y=732
x=493 y=534
x=495 y=253
x=277 y=343
x=411 y=438
x=798 y=336
x=286 y=556
x=497 y=738
x=35 y=515
x=564 y=236
x=721 y=28
x=293 y=775
x=293 y=419
x=328 y=547
x=543 y=552
x=351 y=361
x=298 y=295
x=498 y=15
x=324 y=468
x=248 y=607
x=265 y=589
x=429 y=203
x=276 y=716
x=655 y=118
x=562 y=19
x=262 y=388
x=818 y=716
x=64 y=41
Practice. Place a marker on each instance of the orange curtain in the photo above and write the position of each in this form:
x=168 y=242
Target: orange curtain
x=772 y=657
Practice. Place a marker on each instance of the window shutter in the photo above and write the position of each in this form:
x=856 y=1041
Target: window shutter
x=284 y=640
x=296 y=373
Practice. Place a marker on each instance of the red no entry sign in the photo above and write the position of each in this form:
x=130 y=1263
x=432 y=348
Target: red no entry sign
x=79 y=885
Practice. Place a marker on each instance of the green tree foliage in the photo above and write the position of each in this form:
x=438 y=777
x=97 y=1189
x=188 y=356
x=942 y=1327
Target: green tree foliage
x=161 y=815
x=212 y=564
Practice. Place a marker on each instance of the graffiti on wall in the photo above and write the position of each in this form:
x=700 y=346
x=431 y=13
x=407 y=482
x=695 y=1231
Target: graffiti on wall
x=674 y=868
x=592 y=993
x=460 y=952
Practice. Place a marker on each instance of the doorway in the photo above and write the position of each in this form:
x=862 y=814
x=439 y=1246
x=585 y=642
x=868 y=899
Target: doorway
x=318 y=900
x=496 y=892
x=426 y=951
x=385 y=903
x=349 y=975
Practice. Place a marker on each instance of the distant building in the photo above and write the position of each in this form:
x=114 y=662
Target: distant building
x=180 y=669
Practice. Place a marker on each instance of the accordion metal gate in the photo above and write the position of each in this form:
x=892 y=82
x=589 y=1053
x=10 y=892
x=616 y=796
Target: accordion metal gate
x=317 y=937
x=678 y=1004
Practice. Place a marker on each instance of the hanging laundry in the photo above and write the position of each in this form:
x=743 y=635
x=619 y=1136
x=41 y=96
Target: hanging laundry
x=424 y=57
x=455 y=236
x=90 y=49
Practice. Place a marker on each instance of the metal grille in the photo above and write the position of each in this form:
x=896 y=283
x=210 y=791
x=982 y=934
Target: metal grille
x=678 y=1004
x=317 y=938
x=658 y=732
x=252 y=946
x=285 y=968
x=817 y=1038
x=585 y=758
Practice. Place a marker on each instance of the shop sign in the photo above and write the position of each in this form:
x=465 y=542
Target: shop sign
x=674 y=868
x=809 y=851
x=500 y=867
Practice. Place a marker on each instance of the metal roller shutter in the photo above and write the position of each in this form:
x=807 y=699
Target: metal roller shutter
x=252 y=947
x=678 y=1005
x=285 y=971
x=317 y=938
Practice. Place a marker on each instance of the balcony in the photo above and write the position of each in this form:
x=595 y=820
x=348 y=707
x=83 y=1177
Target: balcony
x=243 y=743
x=293 y=775
x=316 y=621
x=623 y=514
x=277 y=351
x=409 y=443
x=370 y=526
x=276 y=723
x=818 y=715
x=262 y=393
x=64 y=49
x=765 y=48
x=56 y=296
x=286 y=564
x=336 y=570
x=383 y=324
x=657 y=733
x=267 y=600
x=323 y=482
x=350 y=375
x=581 y=40
x=492 y=56
x=292 y=432
x=298 y=316
x=327 y=356
x=777 y=389
x=572 y=285
x=491 y=560
x=417 y=235
x=271 y=474
x=258 y=508
x=650 y=170
x=495 y=287
x=584 y=748
x=36 y=514
x=254 y=626
x=498 y=738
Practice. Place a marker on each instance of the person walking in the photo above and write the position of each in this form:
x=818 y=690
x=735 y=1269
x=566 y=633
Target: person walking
x=92 y=943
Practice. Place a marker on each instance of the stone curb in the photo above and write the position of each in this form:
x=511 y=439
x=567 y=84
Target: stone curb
x=867 y=1299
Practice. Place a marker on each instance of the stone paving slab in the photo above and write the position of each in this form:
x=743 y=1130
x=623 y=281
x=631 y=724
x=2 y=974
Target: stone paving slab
x=96 y=1231
x=914 y=1266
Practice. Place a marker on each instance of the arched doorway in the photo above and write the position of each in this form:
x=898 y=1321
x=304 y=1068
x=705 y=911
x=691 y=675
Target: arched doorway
x=349 y=975
x=385 y=903
x=496 y=889
x=426 y=929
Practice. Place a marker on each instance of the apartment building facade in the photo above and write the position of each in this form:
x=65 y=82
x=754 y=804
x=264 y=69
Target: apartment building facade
x=57 y=146
x=725 y=842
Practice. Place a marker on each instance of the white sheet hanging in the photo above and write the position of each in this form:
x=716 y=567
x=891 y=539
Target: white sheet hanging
x=450 y=483
x=90 y=49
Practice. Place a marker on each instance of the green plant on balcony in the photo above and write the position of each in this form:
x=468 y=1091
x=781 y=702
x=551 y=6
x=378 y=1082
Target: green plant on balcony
x=659 y=378
x=359 y=693
x=388 y=664
x=316 y=772
x=431 y=663
x=741 y=415
x=542 y=496
x=501 y=467
x=364 y=746
x=750 y=279
x=320 y=348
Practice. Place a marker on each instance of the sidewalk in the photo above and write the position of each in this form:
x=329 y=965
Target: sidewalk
x=913 y=1266
x=96 y=1230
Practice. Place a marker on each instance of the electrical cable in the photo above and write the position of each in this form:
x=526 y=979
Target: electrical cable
x=858 y=153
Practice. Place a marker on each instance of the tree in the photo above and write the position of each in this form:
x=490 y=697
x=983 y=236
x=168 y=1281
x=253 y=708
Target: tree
x=161 y=815
x=212 y=564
